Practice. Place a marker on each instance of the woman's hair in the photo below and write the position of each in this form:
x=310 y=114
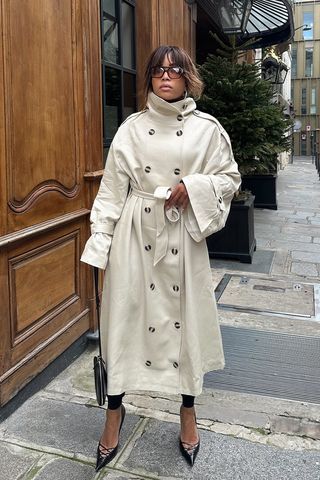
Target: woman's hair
x=178 y=57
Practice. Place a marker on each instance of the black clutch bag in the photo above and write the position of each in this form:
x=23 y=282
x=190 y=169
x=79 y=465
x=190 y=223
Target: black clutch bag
x=99 y=366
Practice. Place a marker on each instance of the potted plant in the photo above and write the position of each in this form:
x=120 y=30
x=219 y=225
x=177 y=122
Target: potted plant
x=241 y=100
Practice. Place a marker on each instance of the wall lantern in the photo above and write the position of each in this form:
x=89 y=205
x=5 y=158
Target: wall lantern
x=273 y=69
x=234 y=15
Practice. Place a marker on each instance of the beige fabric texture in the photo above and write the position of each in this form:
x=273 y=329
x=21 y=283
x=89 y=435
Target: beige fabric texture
x=159 y=322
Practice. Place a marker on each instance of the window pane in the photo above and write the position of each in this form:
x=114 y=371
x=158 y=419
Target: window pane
x=110 y=41
x=309 y=62
x=129 y=99
x=308 y=22
x=128 y=36
x=313 y=110
x=303 y=95
x=294 y=62
x=112 y=108
x=105 y=154
x=313 y=96
x=303 y=109
x=109 y=6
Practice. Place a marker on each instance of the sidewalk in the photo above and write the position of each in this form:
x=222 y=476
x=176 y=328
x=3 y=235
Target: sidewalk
x=244 y=436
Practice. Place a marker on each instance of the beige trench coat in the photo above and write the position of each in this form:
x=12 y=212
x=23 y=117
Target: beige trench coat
x=159 y=325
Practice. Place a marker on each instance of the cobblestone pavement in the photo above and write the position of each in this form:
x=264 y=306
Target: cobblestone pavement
x=54 y=434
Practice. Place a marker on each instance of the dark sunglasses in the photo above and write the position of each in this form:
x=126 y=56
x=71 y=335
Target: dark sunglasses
x=173 y=72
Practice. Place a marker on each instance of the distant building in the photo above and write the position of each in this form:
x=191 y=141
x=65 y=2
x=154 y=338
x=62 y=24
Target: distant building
x=305 y=76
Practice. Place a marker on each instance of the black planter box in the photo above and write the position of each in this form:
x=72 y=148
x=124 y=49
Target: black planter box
x=264 y=188
x=236 y=239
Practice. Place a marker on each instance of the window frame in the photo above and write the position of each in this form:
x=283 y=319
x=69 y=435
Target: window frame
x=117 y=66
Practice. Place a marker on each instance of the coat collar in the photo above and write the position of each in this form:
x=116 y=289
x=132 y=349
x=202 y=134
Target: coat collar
x=157 y=106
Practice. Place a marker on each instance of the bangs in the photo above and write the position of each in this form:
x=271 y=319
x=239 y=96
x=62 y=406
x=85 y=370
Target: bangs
x=174 y=55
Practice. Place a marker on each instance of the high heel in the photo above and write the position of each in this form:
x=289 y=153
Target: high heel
x=105 y=458
x=190 y=450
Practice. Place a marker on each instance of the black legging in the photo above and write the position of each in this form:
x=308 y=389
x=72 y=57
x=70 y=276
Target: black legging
x=114 y=401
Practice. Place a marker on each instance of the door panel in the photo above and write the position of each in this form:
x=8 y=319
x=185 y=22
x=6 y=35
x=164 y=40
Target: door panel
x=50 y=135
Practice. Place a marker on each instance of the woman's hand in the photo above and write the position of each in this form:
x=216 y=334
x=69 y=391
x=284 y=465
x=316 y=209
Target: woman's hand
x=179 y=197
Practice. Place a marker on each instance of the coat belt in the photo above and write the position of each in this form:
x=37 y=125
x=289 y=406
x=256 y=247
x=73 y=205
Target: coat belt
x=160 y=195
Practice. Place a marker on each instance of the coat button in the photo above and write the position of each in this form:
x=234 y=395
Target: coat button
x=184 y=106
x=175 y=288
x=147 y=169
x=220 y=200
x=177 y=325
x=179 y=117
x=148 y=247
x=177 y=171
x=152 y=329
x=152 y=286
x=147 y=209
x=151 y=131
x=174 y=251
x=175 y=364
x=148 y=363
x=179 y=133
x=196 y=112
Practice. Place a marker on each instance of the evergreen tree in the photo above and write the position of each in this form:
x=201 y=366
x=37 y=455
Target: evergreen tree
x=243 y=103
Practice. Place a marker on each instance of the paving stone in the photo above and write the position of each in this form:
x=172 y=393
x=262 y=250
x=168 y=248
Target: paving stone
x=297 y=246
x=122 y=476
x=301 y=230
x=305 y=269
x=61 y=425
x=220 y=457
x=311 y=257
x=15 y=461
x=64 y=469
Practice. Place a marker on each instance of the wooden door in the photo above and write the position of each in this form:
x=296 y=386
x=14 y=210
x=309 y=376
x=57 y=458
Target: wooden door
x=163 y=22
x=50 y=143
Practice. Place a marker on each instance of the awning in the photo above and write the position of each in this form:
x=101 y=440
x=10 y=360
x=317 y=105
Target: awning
x=270 y=21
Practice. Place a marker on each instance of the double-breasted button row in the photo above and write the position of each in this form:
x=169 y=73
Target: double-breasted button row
x=152 y=286
x=147 y=209
x=175 y=288
x=152 y=329
x=179 y=133
x=177 y=171
x=148 y=364
x=177 y=325
x=174 y=251
x=147 y=169
x=148 y=248
x=179 y=117
x=151 y=131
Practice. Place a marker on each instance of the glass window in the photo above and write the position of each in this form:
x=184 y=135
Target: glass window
x=308 y=25
x=294 y=62
x=111 y=41
x=309 y=62
x=118 y=65
x=303 y=95
x=109 y=6
x=112 y=107
x=303 y=145
x=313 y=106
x=128 y=35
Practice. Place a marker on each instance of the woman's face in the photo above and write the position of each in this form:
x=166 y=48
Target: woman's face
x=168 y=88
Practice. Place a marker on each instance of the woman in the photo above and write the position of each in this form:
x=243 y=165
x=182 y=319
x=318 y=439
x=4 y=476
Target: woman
x=168 y=183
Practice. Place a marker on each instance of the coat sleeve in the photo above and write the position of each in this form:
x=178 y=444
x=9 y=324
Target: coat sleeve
x=106 y=211
x=210 y=192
